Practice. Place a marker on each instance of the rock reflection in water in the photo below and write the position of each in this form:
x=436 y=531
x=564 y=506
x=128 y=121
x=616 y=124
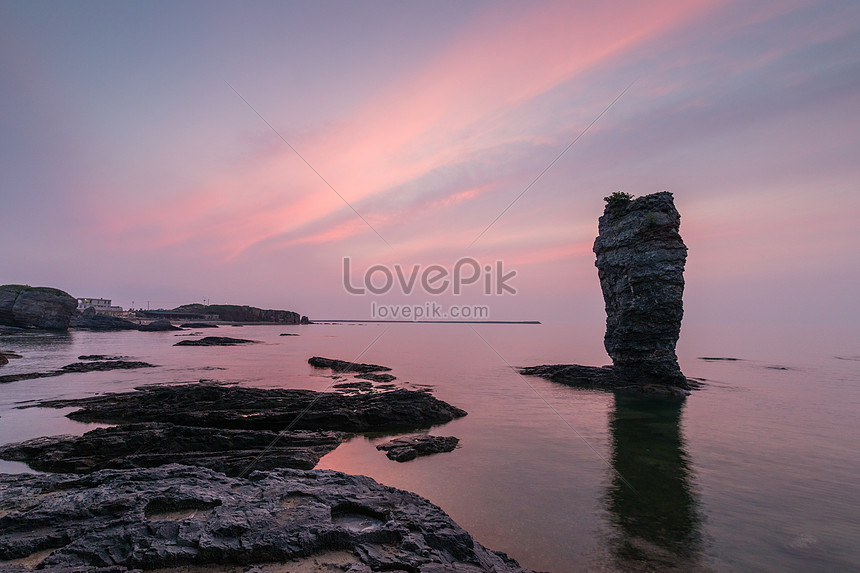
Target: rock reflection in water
x=657 y=520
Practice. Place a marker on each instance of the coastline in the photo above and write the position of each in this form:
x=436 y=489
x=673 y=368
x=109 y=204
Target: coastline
x=210 y=441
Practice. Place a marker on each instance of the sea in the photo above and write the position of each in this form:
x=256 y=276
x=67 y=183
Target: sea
x=757 y=471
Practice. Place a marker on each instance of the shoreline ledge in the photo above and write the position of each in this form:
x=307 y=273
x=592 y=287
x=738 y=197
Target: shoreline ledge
x=211 y=477
x=182 y=518
x=230 y=429
x=238 y=407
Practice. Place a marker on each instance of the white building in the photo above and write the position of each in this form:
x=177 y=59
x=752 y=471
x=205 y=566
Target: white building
x=102 y=305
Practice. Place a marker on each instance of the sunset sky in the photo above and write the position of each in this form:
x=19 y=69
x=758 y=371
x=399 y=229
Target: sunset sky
x=130 y=169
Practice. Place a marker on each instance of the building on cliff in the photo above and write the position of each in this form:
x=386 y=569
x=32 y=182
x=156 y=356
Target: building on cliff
x=101 y=306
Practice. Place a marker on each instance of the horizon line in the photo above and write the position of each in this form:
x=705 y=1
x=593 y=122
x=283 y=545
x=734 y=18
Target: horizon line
x=315 y=321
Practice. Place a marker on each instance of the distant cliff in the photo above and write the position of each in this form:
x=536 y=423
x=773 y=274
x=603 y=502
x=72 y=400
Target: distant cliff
x=236 y=313
x=39 y=307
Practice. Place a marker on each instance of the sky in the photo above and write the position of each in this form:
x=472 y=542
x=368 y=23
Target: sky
x=166 y=153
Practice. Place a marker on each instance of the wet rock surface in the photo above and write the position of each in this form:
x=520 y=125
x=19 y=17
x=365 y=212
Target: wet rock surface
x=174 y=516
x=90 y=366
x=215 y=341
x=158 y=326
x=410 y=447
x=378 y=378
x=605 y=378
x=215 y=406
x=89 y=319
x=344 y=366
x=640 y=262
x=7 y=355
x=359 y=385
x=155 y=444
x=36 y=307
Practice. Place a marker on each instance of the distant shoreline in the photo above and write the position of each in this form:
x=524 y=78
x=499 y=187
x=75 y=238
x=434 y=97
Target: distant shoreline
x=431 y=321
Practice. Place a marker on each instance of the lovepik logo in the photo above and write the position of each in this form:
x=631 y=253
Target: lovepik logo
x=433 y=279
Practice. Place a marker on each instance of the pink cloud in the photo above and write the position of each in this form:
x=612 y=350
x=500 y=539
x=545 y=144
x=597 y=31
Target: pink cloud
x=439 y=114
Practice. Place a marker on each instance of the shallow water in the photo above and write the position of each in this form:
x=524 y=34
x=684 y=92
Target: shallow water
x=757 y=472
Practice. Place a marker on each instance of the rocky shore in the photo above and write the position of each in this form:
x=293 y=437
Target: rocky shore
x=220 y=478
x=186 y=518
x=235 y=407
x=98 y=364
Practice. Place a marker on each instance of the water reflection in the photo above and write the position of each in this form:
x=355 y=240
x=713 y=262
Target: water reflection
x=657 y=520
x=38 y=339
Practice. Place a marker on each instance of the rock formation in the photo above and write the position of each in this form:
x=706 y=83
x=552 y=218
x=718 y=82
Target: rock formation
x=344 y=366
x=215 y=406
x=237 y=313
x=79 y=367
x=158 y=326
x=89 y=319
x=153 y=444
x=228 y=429
x=194 y=519
x=215 y=341
x=410 y=447
x=39 y=307
x=640 y=262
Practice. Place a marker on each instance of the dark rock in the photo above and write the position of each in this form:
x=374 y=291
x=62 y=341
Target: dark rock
x=264 y=409
x=605 y=378
x=156 y=444
x=95 y=366
x=176 y=516
x=237 y=313
x=344 y=366
x=362 y=385
x=39 y=307
x=409 y=448
x=99 y=357
x=198 y=325
x=718 y=358
x=89 y=319
x=640 y=262
x=3 y=359
x=158 y=326
x=576 y=375
x=288 y=334
x=304 y=320
x=380 y=378
x=215 y=341
x=103 y=365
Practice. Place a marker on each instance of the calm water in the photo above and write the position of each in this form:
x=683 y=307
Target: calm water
x=760 y=471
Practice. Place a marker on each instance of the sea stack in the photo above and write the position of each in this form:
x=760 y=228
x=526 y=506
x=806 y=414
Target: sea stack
x=640 y=262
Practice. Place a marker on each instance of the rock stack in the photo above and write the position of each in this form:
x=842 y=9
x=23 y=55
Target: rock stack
x=640 y=262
